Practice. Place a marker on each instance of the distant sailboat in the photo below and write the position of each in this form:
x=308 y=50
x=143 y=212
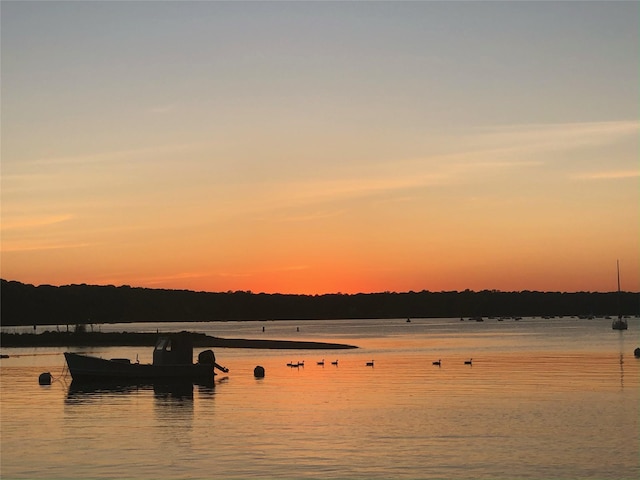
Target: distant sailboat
x=619 y=323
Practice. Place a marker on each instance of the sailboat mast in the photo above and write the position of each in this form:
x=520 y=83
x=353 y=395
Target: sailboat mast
x=618 y=270
x=620 y=323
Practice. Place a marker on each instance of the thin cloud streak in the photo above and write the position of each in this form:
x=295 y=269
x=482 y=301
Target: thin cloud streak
x=110 y=157
x=536 y=137
x=10 y=247
x=512 y=142
x=611 y=175
x=34 y=222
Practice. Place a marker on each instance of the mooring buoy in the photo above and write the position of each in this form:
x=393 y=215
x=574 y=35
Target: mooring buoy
x=44 y=378
x=258 y=372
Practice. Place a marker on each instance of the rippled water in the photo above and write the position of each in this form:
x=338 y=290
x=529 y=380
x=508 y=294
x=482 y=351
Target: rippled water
x=542 y=399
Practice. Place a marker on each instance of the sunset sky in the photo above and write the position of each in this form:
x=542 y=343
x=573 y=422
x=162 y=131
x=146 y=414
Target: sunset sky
x=321 y=147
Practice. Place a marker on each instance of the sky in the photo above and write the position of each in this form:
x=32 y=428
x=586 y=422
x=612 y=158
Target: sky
x=321 y=147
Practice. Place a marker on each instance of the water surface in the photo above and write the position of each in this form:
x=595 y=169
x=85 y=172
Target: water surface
x=542 y=399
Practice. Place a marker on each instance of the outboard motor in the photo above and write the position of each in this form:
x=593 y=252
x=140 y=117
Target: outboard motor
x=209 y=358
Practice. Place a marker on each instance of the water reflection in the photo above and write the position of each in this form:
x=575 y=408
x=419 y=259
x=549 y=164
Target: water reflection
x=81 y=392
x=622 y=371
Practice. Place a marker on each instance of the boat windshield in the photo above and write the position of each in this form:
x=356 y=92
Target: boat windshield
x=164 y=344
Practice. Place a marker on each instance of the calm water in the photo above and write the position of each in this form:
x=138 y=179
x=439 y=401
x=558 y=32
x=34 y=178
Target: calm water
x=543 y=399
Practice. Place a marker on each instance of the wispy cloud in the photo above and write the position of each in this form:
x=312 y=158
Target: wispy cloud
x=163 y=279
x=370 y=184
x=149 y=153
x=34 y=221
x=537 y=137
x=308 y=216
x=609 y=175
x=501 y=148
x=10 y=246
x=162 y=109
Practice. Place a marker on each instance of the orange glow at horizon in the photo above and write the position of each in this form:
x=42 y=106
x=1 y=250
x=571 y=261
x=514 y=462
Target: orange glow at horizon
x=348 y=278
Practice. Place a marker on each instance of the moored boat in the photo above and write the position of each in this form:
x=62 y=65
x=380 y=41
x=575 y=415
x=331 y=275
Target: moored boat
x=172 y=359
x=619 y=323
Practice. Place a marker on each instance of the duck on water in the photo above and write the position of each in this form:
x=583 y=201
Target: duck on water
x=172 y=359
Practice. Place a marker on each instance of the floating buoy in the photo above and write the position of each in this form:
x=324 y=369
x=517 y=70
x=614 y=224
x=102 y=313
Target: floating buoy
x=44 y=378
x=636 y=352
x=258 y=372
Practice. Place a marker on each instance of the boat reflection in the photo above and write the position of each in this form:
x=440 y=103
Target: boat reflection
x=621 y=371
x=83 y=391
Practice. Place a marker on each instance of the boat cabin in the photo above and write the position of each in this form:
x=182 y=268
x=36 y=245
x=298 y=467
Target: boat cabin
x=173 y=350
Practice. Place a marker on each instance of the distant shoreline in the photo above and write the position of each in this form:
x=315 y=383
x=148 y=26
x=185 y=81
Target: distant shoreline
x=120 y=339
x=29 y=305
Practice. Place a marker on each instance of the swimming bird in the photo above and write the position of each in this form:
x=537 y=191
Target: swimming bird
x=321 y=362
x=468 y=362
x=370 y=364
x=334 y=363
x=438 y=362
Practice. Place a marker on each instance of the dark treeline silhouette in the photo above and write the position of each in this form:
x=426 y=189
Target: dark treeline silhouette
x=24 y=304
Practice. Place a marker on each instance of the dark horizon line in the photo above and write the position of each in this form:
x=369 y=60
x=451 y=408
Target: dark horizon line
x=385 y=292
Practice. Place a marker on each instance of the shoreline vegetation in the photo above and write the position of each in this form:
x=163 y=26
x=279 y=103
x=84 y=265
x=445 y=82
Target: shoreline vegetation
x=129 y=339
x=28 y=305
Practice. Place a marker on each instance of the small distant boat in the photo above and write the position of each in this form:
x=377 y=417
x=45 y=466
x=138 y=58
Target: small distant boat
x=172 y=359
x=619 y=323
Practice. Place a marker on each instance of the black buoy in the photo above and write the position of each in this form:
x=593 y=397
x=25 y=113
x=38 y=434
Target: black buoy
x=44 y=378
x=636 y=352
x=258 y=372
